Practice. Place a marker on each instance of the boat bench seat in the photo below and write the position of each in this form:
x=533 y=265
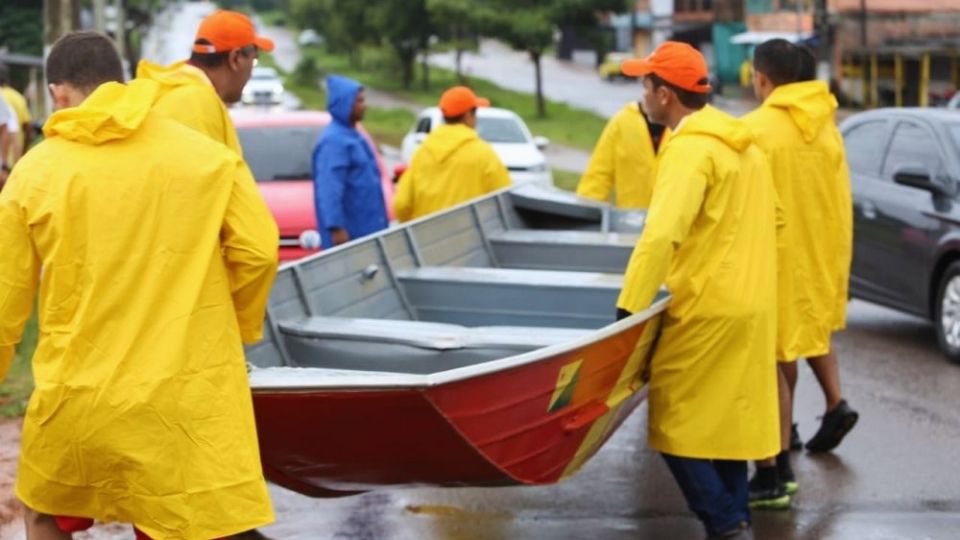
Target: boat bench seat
x=585 y=251
x=409 y=346
x=507 y=296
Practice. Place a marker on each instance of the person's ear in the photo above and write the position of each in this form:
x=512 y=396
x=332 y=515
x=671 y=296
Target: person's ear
x=233 y=59
x=664 y=95
x=60 y=95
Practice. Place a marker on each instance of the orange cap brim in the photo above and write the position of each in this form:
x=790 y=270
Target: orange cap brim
x=264 y=43
x=483 y=102
x=636 y=67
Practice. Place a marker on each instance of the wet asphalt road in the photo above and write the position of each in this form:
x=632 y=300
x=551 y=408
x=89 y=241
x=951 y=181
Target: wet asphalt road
x=894 y=477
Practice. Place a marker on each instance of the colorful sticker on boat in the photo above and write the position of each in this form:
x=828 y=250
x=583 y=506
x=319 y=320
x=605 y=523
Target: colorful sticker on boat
x=566 y=384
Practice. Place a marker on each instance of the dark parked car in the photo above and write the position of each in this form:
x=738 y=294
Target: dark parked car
x=905 y=171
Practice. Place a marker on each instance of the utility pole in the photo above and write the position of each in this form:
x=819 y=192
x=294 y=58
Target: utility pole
x=121 y=37
x=59 y=18
x=100 y=16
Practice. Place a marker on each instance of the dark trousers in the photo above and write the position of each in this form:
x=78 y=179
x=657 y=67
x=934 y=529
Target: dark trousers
x=716 y=490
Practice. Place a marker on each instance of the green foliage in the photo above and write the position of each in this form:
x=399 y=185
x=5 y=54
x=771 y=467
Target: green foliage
x=306 y=73
x=567 y=180
x=21 y=26
x=405 y=26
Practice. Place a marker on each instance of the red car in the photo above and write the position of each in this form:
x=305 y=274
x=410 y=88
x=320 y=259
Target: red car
x=278 y=147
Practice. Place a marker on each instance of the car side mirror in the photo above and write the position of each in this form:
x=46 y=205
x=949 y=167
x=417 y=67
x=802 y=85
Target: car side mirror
x=419 y=137
x=541 y=142
x=917 y=176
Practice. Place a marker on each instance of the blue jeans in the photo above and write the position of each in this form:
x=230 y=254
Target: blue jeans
x=716 y=490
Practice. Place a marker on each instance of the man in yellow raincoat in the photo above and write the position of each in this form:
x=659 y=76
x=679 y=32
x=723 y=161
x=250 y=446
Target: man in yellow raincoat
x=795 y=128
x=151 y=272
x=624 y=161
x=193 y=92
x=453 y=165
x=710 y=235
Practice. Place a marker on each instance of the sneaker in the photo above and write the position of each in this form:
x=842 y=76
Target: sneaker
x=768 y=498
x=835 y=426
x=785 y=473
x=789 y=481
x=796 y=443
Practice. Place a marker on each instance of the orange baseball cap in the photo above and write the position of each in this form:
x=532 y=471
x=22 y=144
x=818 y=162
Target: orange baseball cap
x=228 y=30
x=677 y=63
x=460 y=100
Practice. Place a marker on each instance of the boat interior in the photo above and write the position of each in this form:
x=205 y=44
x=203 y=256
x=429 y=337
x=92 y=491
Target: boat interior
x=495 y=278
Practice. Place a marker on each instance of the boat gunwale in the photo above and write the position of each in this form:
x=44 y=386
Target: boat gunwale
x=261 y=379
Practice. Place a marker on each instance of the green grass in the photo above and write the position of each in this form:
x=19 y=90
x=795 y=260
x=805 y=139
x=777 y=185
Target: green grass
x=273 y=18
x=566 y=179
x=385 y=125
x=15 y=390
x=563 y=125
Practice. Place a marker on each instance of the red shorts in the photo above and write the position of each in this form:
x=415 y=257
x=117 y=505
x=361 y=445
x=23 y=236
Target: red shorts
x=69 y=524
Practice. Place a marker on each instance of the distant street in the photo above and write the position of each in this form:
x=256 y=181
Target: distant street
x=573 y=84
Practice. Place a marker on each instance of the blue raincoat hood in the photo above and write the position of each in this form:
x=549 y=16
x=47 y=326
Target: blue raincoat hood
x=341 y=95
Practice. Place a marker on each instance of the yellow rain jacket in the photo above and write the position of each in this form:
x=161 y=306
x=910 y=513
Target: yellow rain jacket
x=453 y=165
x=155 y=254
x=711 y=236
x=624 y=161
x=188 y=96
x=795 y=128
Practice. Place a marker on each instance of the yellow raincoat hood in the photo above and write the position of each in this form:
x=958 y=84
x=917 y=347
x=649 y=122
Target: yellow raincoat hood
x=152 y=253
x=113 y=111
x=719 y=125
x=795 y=129
x=449 y=139
x=810 y=105
x=710 y=237
x=453 y=165
x=187 y=96
x=623 y=162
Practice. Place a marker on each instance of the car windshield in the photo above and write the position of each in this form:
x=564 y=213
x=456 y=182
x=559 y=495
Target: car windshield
x=279 y=153
x=500 y=130
x=261 y=74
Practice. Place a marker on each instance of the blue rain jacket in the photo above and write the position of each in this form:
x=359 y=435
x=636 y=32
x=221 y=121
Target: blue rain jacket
x=346 y=181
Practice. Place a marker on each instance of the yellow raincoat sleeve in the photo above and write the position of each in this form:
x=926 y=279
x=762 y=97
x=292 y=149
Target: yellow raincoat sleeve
x=249 y=239
x=496 y=175
x=19 y=272
x=677 y=198
x=597 y=181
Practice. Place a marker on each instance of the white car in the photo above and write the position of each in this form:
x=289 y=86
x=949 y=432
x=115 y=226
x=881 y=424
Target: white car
x=520 y=151
x=263 y=88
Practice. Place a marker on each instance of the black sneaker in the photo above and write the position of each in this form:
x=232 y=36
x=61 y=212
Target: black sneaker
x=768 y=497
x=785 y=473
x=796 y=443
x=836 y=424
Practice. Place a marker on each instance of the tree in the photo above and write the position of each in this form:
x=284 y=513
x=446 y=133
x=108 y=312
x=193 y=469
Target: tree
x=405 y=26
x=346 y=26
x=459 y=23
x=528 y=25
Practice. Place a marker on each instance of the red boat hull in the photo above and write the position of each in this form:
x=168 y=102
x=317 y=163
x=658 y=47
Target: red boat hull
x=534 y=423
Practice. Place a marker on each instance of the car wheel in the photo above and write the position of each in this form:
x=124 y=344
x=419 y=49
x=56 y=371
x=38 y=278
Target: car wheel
x=947 y=320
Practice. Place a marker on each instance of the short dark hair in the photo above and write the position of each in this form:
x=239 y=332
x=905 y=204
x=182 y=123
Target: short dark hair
x=215 y=60
x=784 y=63
x=690 y=100
x=84 y=60
x=459 y=118
x=4 y=75
x=808 y=64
